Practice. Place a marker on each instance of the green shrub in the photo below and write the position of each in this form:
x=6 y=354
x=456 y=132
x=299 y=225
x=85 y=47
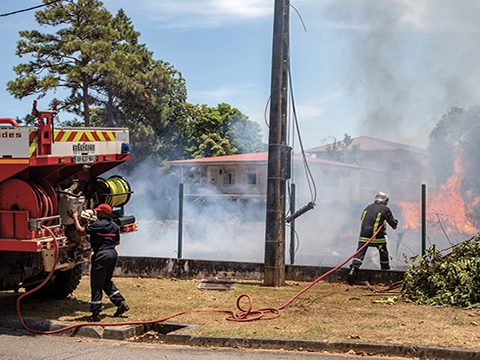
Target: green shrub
x=446 y=280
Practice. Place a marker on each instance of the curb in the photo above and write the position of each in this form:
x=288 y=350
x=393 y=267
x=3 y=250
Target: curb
x=175 y=336
x=90 y=331
x=354 y=347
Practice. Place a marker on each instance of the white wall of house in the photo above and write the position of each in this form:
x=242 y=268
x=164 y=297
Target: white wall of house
x=239 y=179
x=335 y=183
x=234 y=180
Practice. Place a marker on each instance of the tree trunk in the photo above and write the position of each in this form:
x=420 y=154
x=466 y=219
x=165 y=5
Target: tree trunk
x=110 y=121
x=86 y=107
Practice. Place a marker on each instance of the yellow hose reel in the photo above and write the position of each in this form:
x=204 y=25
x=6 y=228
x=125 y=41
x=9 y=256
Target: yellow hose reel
x=114 y=191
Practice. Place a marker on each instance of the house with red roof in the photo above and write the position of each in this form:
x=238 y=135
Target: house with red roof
x=244 y=176
x=401 y=169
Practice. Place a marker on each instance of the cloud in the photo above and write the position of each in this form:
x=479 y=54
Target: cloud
x=200 y=13
x=314 y=106
x=228 y=94
x=308 y=111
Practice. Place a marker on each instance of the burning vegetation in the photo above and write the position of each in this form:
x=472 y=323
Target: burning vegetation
x=445 y=207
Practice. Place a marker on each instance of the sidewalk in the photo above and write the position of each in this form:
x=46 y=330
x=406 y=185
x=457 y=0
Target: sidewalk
x=174 y=334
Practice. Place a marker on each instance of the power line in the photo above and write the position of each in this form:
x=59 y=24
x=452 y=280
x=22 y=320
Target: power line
x=32 y=8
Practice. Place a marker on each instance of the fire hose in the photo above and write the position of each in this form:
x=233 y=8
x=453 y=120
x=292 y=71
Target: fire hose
x=245 y=315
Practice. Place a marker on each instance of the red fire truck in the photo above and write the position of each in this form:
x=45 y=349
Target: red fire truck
x=45 y=171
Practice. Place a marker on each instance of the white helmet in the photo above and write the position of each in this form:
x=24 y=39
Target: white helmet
x=382 y=198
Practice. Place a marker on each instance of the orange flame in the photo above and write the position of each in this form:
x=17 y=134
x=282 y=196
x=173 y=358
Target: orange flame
x=445 y=206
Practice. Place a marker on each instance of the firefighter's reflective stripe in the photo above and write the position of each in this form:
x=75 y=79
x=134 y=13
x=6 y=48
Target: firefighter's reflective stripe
x=374 y=241
x=96 y=302
x=114 y=293
x=375 y=228
x=106 y=234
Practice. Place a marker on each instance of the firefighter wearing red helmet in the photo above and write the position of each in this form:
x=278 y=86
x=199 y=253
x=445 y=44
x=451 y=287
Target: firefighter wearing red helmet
x=104 y=236
x=373 y=217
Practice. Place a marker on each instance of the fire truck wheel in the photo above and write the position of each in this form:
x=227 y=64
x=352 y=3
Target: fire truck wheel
x=64 y=284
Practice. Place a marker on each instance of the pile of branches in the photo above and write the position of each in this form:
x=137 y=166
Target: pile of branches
x=446 y=280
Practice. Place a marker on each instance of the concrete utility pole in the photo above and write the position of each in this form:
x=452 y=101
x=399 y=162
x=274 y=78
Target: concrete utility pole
x=275 y=223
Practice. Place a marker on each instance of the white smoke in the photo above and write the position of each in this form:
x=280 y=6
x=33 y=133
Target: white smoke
x=407 y=62
x=218 y=229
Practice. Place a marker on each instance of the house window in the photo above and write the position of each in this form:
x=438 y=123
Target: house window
x=229 y=177
x=331 y=178
x=251 y=178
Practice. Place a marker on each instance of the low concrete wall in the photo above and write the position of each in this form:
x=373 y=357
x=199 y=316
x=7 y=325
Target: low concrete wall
x=132 y=266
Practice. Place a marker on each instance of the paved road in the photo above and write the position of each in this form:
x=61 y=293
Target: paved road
x=19 y=345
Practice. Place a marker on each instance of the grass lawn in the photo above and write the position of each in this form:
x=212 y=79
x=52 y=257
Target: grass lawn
x=333 y=311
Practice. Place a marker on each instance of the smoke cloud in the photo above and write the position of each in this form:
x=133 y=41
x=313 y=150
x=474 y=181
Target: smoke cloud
x=409 y=62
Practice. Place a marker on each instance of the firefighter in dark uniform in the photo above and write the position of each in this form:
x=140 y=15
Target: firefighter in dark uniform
x=104 y=236
x=373 y=217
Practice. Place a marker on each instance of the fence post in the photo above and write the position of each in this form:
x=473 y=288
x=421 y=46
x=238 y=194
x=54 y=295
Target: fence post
x=180 y=220
x=292 y=227
x=424 y=211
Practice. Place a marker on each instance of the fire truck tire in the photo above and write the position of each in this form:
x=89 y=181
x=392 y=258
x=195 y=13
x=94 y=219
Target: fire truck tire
x=64 y=284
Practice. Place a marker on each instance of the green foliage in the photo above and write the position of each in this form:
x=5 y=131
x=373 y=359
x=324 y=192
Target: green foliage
x=450 y=280
x=245 y=135
x=342 y=151
x=213 y=145
x=155 y=114
x=205 y=133
x=208 y=131
x=174 y=138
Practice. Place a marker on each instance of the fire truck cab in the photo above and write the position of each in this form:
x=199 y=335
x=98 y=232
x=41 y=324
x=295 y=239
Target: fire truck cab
x=45 y=171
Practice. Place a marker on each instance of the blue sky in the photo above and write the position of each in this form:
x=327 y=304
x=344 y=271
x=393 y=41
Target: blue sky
x=383 y=68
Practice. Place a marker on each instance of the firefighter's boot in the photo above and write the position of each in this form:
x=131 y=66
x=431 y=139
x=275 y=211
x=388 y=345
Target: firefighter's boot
x=352 y=275
x=95 y=317
x=122 y=308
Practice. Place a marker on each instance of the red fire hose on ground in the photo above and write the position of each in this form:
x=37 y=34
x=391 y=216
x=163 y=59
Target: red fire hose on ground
x=245 y=315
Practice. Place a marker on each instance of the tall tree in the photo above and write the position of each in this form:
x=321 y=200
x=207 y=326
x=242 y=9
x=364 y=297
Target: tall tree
x=86 y=54
x=244 y=134
x=228 y=126
x=213 y=145
x=157 y=116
